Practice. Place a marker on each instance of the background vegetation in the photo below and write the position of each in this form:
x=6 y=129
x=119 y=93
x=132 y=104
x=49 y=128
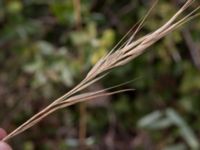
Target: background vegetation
x=47 y=47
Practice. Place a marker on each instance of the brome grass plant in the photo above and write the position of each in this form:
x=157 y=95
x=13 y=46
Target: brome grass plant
x=124 y=52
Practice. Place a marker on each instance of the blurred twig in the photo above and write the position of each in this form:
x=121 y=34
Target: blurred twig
x=192 y=46
x=82 y=106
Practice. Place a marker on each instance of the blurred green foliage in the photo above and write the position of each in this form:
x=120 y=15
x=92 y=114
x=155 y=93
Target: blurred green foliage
x=43 y=55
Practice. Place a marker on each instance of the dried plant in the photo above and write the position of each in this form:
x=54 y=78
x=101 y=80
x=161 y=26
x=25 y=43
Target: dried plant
x=121 y=54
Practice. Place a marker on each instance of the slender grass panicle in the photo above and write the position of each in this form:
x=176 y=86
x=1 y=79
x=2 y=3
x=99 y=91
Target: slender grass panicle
x=121 y=54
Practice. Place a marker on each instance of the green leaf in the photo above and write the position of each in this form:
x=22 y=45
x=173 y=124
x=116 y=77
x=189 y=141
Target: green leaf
x=185 y=130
